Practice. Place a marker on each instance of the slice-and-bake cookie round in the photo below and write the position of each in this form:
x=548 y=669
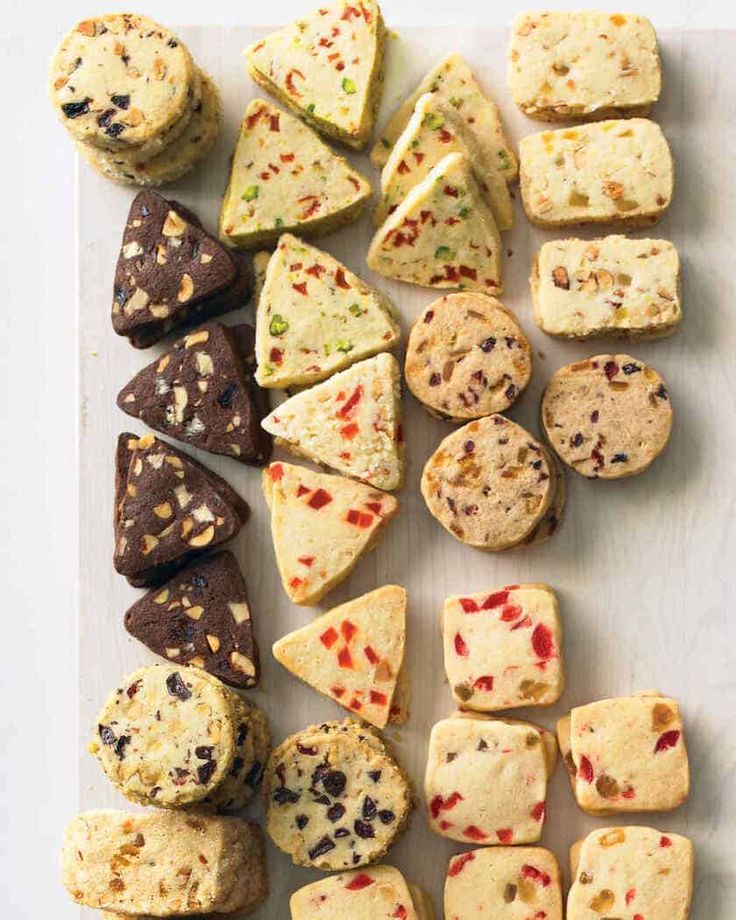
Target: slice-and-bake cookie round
x=252 y=744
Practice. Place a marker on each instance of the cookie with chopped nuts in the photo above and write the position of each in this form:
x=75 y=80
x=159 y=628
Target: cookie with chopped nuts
x=467 y=357
x=380 y=893
x=202 y=392
x=607 y=417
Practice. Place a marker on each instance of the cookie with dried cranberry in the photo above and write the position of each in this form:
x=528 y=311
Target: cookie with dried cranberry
x=607 y=417
x=252 y=747
x=467 y=357
x=553 y=517
x=380 y=893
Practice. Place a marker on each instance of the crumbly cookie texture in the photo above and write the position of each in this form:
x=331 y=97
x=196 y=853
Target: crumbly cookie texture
x=353 y=653
x=284 y=178
x=321 y=526
x=351 y=422
x=611 y=286
x=315 y=317
x=626 y=755
x=467 y=357
x=378 y=893
x=442 y=235
x=503 y=648
x=631 y=872
x=452 y=80
x=607 y=172
x=607 y=417
x=489 y=483
x=515 y=883
x=336 y=799
x=435 y=129
x=327 y=67
x=583 y=65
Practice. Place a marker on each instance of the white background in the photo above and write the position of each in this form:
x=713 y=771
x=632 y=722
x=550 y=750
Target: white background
x=38 y=526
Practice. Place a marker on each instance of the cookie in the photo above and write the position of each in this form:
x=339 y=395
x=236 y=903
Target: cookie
x=252 y=747
x=201 y=392
x=201 y=617
x=612 y=286
x=321 y=526
x=327 y=67
x=503 y=648
x=452 y=80
x=467 y=357
x=336 y=798
x=553 y=516
x=607 y=172
x=315 y=317
x=353 y=653
x=435 y=129
x=583 y=65
x=486 y=781
x=260 y=267
x=510 y=882
x=442 y=235
x=489 y=483
x=284 y=178
x=607 y=417
x=379 y=893
x=351 y=422
x=634 y=872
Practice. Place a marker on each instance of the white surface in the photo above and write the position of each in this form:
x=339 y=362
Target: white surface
x=672 y=574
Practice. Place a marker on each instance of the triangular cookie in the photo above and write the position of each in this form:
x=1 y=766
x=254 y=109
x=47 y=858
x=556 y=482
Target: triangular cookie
x=353 y=653
x=350 y=422
x=260 y=267
x=321 y=525
x=434 y=130
x=442 y=235
x=285 y=178
x=316 y=317
x=453 y=80
x=328 y=68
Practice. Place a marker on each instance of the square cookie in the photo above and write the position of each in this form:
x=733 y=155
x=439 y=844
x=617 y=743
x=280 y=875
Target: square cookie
x=503 y=648
x=373 y=893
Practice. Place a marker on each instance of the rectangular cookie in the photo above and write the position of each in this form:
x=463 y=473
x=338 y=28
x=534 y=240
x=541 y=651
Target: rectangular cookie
x=374 y=893
x=583 y=65
x=609 y=286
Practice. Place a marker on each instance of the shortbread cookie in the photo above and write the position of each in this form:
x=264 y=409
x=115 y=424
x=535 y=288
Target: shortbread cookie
x=442 y=235
x=467 y=357
x=351 y=422
x=399 y=714
x=315 y=317
x=611 y=286
x=632 y=872
x=252 y=747
x=336 y=798
x=607 y=417
x=260 y=267
x=553 y=517
x=489 y=483
x=549 y=740
x=503 y=648
x=514 y=883
x=486 y=781
x=201 y=617
x=327 y=67
x=583 y=65
x=452 y=80
x=353 y=654
x=284 y=178
x=378 y=893
x=434 y=130
x=608 y=172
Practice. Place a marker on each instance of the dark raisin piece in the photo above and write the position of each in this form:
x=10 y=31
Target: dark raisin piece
x=510 y=391
x=342 y=832
x=510 y=341
x=369 y=808
x=243 y=730
x=321 y=847
x=204 y=752
x=335 y=812
x=434 y=380
x=631 y=368
x=115 y=129
x=594 y=416
x=334 y=782
x=301 y=821
x=662 y=392
x=303 y=749
x=375 y=775
x=172 y=43
x=119 y=295
x=537 y=465
x=176 y=686
x=364 y=830
x=610 y=369
x=206 y=770
x=145 y=212
x=254 y=775
x=469 y=447
x=225 y=398
x=105 y=119
x=356 y=858
x=199 y=581
x=107 y=735
x=386 y=817
x=122 y=102
x=577 y=439
x=284 y=796
x=488 y=344
x=122 y=741
x=133 y=688
x=236 y=766
x=321 y=799
x=620 y=458
x=429 y=316
x=75 y=109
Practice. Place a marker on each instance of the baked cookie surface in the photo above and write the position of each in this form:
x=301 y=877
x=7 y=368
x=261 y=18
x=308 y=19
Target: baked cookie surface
x=252 y=748
x=378 y=893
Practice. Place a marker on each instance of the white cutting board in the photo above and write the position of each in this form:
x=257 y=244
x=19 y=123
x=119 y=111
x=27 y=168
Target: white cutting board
x=644 y=568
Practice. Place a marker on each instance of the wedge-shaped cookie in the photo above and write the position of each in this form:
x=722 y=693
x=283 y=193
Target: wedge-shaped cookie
x=316 y=317
x=353 y=653
x=260 y=267
x=442 y=235
x=351 y=422
x=611 y=286
x=583 y=65
x=285 y=178
x=434 y=130
x=631 y=872
x=321 y=525
x=377 y=893
x=328 y=68
x=452 y=80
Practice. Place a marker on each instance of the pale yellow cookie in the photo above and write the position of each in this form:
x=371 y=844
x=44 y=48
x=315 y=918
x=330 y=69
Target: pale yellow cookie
x=377 y=893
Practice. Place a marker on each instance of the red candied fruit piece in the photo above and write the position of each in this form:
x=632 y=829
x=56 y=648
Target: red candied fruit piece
x=306 y=560
x=536 y=875
x=666 y=741
x=505 y=835
x=497 y=599
x=522 y=624
x=276 y=356
x=510 y=613
x=349 y=431
x=538 y=811
x=370 y=655
x=355 y=398
x=378 y=699
x=638 y=917
x=375 y=507
x=344 y=658
x=355 y=704
x=665 y=842
x=296 y=582
x=400 y=912
x=542 y=641
x=475 y=833
x=439 y=804
x=348 y=630
x=630 y=895
x=459 y=863
x=302 y=490
x=469 y=605
x=359 y=882
x=275 y=471
x=585 y=769
x=328 y=637
x=629 y=793
x=359 y=518
x=461 y=648
x=484 y=683
x=301 y=288
x=319 y=499
x=340 y=280
x=445 y=825
x=337 y=691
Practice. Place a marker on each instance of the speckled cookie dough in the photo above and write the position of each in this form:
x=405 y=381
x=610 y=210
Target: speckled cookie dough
x=379 y=893
x=252 y=747
x=553 y=516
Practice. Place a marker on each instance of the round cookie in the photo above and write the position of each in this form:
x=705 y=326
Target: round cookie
x=336 y=798
x=607 y=417
x=489 y=483
x=467 y=357
x=550 y=523
x=251 y=751
x=166 y=735
x=120 y=81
